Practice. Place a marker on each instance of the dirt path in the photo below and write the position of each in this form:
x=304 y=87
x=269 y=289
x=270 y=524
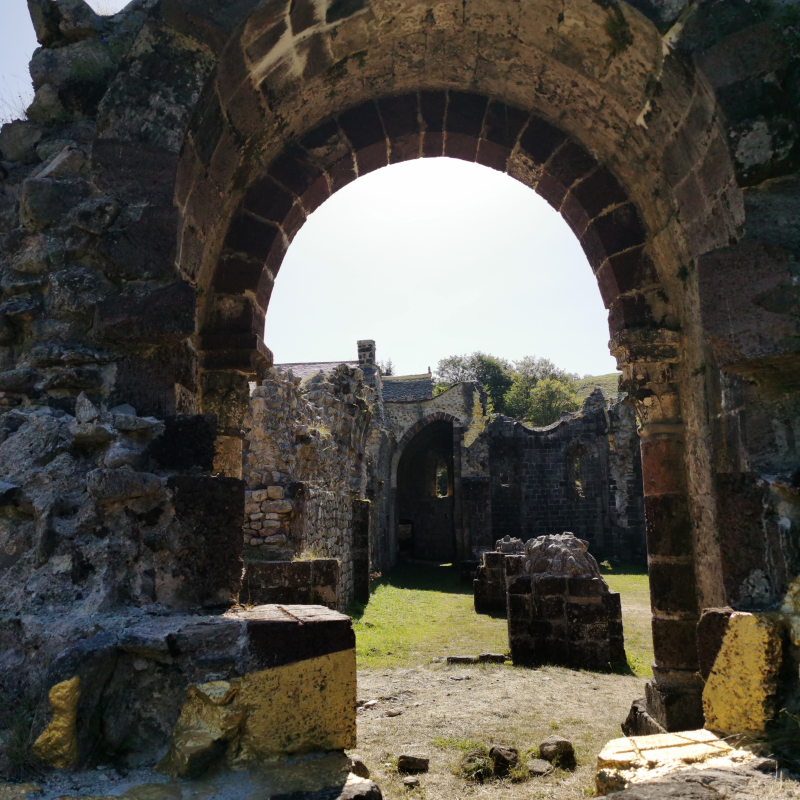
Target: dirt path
x=416 y=616
x=447 y=710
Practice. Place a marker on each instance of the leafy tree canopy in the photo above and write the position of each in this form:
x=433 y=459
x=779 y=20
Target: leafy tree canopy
x=543 y=402
x=494 y=374
x=533 y=389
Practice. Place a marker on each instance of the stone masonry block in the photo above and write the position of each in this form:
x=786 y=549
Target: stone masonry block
x=211 y=510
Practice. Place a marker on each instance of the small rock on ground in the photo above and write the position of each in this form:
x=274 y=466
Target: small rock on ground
x=504 y=759
x=413 y=763
x=394 y=712
x=411 y=781
x=538 y=767
x=557 y=747
x=358 y=767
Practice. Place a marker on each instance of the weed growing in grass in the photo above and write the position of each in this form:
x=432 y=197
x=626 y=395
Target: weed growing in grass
x=476 y=766
x=464 y=745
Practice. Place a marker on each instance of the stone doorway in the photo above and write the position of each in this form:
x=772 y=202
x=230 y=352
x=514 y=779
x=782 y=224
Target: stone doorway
x=426 y=494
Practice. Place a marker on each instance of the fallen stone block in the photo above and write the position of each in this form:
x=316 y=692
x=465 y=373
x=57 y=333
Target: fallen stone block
x=492 y=658
x=623 y=762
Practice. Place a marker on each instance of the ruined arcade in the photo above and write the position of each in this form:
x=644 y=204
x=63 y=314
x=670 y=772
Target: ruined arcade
x=146 y=204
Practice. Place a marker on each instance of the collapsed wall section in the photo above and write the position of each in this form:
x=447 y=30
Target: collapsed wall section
x=305 y=469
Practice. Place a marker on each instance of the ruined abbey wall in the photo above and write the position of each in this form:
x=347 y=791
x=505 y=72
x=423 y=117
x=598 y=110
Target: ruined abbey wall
x=173 y=151
x=304 y=467
x=582 y=474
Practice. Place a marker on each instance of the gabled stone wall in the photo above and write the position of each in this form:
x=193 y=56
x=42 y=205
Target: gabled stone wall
x=581 y=474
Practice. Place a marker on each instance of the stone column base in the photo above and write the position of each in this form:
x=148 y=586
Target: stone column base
x=675 y=699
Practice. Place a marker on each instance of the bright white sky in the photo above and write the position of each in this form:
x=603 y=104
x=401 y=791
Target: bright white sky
x=430 y=258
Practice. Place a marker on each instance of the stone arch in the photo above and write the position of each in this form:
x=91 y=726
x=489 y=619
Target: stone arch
x=435 y=420
x=622 y=137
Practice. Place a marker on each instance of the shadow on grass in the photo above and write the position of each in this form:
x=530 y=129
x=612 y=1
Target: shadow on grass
x=425 y=577
x=421 y=577
x=622 y=568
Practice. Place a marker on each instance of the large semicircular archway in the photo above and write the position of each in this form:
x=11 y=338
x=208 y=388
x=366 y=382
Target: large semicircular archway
x=581 y=102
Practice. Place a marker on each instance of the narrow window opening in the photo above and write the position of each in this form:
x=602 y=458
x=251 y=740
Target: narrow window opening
x=576 y=471
x=505 y=477
x=442 y=480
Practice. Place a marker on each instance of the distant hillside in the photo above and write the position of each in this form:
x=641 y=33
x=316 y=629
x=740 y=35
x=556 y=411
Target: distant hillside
x=608 y=383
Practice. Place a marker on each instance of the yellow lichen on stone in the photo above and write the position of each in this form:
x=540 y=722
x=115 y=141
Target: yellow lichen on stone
x=791 y=601
x=477 y=422
x=739 y=695
x=58 y=744
x=217 y=693
x=18 y=791
x=208 y=724
x=301 y=707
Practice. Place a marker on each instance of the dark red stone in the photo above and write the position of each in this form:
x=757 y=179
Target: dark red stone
x=669 y=525
x=502 y=124
x=465 y=113
x=400 y=115
x=569 y=163
x=540 y=139
x=674 y=642
x=672 y=588
x=462 y=146
x=599 y=191
x=267 y=199
x=251 y=236
x=363 y=125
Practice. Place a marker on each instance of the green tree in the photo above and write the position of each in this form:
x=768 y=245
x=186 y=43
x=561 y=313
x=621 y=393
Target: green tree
x=540 y=392
x=494 y=374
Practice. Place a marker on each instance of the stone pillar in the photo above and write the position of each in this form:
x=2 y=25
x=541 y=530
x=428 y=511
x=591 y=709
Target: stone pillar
x=226 y=394
x=649 y=362
x=361 y=514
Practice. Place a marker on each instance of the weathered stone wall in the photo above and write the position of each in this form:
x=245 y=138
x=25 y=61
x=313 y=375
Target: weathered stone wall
x=305 y=465
x=178 y=147
x=581 y=474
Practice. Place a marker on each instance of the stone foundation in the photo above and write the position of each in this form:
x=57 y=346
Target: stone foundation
x=312 y=582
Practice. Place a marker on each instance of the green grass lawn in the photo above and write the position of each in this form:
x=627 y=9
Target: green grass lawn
x=418 y=612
